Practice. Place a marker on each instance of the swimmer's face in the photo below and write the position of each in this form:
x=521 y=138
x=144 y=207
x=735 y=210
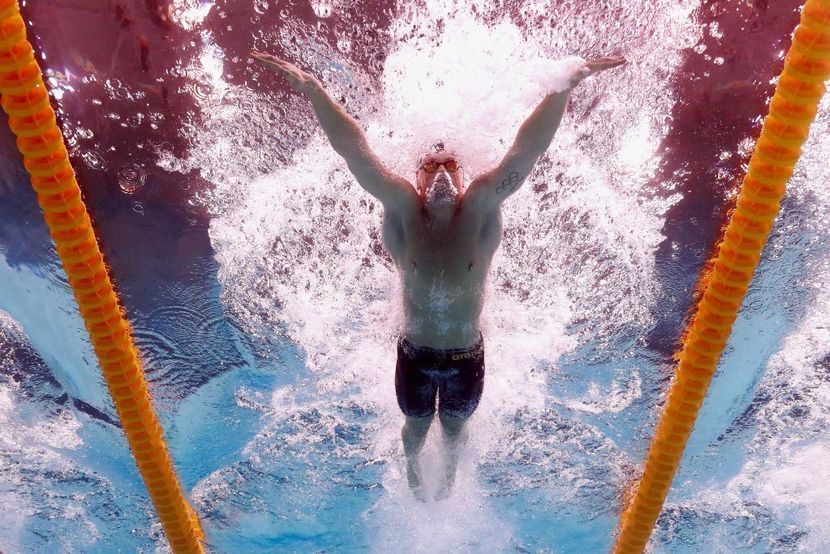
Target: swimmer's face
x=440 y=182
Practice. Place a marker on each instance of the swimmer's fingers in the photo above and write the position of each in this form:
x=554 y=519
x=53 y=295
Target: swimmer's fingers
x=270 y=61
x=278 y=65
x=298 y=79
x=595 y=66
x=601 y=64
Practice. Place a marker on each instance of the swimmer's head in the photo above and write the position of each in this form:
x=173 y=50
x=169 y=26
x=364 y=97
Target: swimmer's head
x=440 y=173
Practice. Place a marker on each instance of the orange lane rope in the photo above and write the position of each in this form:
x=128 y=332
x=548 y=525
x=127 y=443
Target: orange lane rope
x=792 y=109
x=39 y=139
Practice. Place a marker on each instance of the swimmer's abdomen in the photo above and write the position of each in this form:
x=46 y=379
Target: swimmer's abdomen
x=443 y=310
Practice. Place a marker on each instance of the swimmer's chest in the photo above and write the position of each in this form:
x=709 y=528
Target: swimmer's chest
x=466 y=251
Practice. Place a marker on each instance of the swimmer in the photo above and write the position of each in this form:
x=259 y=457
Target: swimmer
x=442 y=238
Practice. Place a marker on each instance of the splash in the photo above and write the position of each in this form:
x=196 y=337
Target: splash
x=467 y=87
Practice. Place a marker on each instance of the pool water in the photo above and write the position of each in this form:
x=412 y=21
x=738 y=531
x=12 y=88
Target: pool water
x=266 y=308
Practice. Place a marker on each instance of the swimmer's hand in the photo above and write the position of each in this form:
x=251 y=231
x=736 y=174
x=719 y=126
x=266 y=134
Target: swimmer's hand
x=595 y=66
x=298 y=80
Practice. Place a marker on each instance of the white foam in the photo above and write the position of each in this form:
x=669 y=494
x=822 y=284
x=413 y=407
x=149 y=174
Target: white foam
x=469 y=88
x=33 y=445
x=796 y=485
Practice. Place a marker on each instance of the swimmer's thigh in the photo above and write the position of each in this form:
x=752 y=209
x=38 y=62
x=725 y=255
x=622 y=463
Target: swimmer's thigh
x=459 y=394
x=415 y=390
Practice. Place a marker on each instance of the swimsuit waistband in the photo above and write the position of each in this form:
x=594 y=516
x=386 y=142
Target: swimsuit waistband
x=452 y=353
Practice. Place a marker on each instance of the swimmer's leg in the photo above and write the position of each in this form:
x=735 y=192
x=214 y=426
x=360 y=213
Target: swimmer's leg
x=459 y=396
x=414 y=434
x=455 y=437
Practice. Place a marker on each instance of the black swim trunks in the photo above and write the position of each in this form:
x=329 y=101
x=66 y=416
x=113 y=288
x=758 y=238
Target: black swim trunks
x=455 y=375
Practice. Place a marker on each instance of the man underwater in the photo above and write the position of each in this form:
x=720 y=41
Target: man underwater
x=442 y=239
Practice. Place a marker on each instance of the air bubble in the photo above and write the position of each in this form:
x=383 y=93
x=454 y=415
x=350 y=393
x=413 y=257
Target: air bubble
x=178 y=71
x=116 y=89
x=322 y=8
x=203 y=90
x=134 y=120
x=344 y=45
x=131 y=178
x=94 y=160
x=272 y=116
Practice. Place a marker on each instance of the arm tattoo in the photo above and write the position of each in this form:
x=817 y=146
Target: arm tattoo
x=509 y=184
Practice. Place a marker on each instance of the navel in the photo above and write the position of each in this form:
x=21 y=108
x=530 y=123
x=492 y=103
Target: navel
x=470 y=267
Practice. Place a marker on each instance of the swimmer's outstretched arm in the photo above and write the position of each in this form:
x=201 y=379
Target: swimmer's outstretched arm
x=490 y=189
x=345 y=135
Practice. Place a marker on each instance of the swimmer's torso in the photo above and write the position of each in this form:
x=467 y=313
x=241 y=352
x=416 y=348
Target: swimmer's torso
x=443 y=278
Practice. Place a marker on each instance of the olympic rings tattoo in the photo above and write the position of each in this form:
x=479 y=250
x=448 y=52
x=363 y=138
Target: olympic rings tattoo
x=510 y=183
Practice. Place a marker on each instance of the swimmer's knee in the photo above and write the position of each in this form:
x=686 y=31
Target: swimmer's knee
x=455 y=419
x=419 y=420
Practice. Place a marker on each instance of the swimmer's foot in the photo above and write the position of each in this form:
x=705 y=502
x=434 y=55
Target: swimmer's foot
x=413 y=474
x=446 y=486
x=444 y=492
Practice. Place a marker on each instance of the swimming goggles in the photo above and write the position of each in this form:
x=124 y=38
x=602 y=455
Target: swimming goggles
x=431 y=167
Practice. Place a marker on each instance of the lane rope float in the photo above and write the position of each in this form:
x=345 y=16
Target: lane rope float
x=25 y=100
x=793 y=108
